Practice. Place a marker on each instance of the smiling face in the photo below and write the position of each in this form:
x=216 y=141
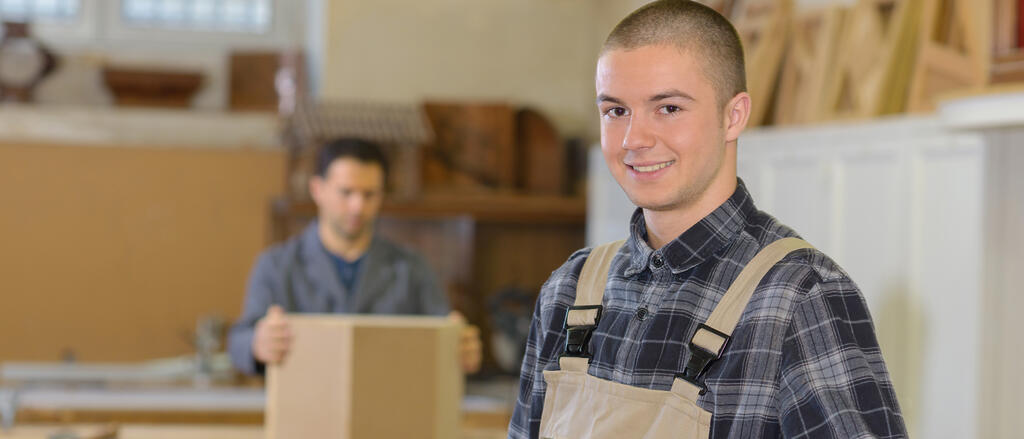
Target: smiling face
x=665 y=135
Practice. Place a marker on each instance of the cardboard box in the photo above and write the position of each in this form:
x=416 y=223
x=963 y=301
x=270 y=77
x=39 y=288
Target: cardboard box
x=367 y=377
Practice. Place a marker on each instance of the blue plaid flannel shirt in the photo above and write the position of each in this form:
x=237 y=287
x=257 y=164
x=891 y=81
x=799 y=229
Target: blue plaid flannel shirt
x=803 y=361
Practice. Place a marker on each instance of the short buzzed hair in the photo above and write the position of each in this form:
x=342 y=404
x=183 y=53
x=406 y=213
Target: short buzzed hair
x=687 y=25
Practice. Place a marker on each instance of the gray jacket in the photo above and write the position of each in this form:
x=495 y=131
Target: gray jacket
x=299 y=276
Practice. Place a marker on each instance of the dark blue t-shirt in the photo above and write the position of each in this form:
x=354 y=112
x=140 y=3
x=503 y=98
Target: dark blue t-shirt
x=347 y=271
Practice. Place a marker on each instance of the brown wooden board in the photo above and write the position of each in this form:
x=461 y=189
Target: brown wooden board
x=366 y=376
x=954 y=51
x=875 y=60
x=252 y=81
x=763 y=26
x=809 y=63
x=1008 y=62
x=474 y=146
x=541 y=154
x=1020 y=24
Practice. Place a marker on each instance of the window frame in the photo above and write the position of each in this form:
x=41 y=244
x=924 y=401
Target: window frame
x=100 y=22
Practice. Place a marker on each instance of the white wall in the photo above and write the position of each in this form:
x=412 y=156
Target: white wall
x=539 y=53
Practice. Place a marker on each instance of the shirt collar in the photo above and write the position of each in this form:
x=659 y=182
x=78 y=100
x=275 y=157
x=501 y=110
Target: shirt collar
x=712 y=233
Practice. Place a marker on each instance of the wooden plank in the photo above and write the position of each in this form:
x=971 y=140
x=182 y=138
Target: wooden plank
x=474 y=146
x=251 y=81
x=542 y=155
x=367 y=376
x=1020 y=24
x=763 y=26
x=1008 y=64
x=953 y=51
x=874 y=64
x=83 y=416
x=810 y=62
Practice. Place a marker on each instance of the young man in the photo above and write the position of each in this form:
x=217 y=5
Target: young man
x=338 y=265
x=681 y=331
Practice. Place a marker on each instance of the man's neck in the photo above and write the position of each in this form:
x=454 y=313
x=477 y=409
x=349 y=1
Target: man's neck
x=666 y=225
x=347 y=249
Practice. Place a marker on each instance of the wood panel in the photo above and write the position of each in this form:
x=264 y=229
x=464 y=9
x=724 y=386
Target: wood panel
x=763 y=26
x=954 y=51
x=809 y=63
x=1008 y=65
x=875 y=60
x=113 y=253
x=474 y=146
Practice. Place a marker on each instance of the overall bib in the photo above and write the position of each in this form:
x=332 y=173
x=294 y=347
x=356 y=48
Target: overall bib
x=578 y=405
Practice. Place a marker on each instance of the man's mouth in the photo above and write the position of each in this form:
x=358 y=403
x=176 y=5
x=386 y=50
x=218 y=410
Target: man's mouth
x=652 y=168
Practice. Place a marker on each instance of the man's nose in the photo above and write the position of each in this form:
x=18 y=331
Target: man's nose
x=638 y=134
x=356 y=201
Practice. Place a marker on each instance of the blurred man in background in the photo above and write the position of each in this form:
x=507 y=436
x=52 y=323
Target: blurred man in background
x=338 y=264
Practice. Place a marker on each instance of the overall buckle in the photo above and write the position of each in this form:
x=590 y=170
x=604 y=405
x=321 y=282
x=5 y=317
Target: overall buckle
x=578 y=337
x=701 y=359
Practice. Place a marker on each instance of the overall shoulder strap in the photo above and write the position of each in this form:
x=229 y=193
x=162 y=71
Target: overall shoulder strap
x=583 y=316
x=712 y=336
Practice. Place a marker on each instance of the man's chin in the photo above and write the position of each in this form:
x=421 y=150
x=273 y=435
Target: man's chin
x=654 y=204
x=350 y=233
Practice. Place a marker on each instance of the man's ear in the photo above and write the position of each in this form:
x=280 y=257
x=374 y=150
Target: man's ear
x=737 y=113
x=316 y=184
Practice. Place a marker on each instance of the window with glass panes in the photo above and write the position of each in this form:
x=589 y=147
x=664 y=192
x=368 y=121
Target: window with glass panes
x=216 y=15
x=33 y=10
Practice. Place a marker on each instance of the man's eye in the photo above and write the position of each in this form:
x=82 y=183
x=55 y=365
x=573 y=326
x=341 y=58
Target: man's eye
x=615 y=112
x=669 y=109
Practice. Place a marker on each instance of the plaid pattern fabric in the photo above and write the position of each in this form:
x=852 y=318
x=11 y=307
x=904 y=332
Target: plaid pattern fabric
x=803 y=361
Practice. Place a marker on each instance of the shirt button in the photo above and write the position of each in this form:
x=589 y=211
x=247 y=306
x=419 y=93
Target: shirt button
x=657 y=261
x=641 y=314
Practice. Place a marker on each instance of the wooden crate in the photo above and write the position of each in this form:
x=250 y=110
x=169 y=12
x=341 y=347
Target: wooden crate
x=367 y=377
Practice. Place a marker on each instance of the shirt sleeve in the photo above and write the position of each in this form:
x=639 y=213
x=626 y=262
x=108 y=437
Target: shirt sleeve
x=525 y=421
x=833 y=381
x=258 y=298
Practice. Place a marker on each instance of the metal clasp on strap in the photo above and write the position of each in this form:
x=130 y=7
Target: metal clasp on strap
x=577 y=338
x=701 y=358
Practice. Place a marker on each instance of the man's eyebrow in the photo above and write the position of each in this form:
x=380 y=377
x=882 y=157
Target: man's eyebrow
x=605 y=98
x=671 y=94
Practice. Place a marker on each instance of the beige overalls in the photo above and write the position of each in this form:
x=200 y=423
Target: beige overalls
x=578 y=405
